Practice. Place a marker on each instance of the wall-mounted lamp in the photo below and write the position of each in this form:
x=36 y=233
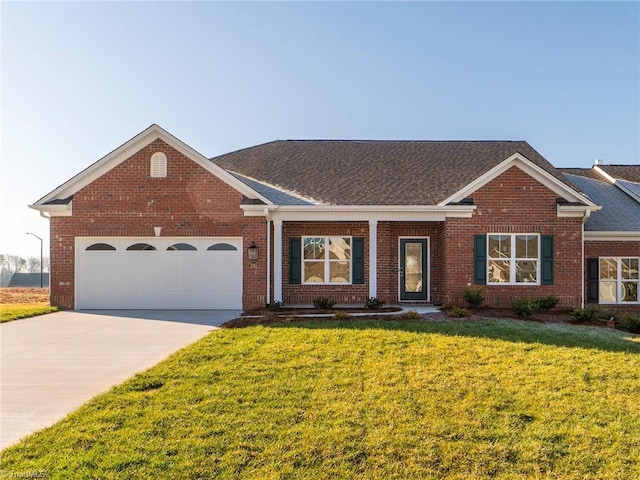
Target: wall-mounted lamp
x=157 y=231
x=252 y=252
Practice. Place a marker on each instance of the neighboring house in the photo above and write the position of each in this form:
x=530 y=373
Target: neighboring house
x=31 y=280
x=155 y=224
x=611 y=243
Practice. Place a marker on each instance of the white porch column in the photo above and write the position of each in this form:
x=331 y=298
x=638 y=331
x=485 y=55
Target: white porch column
x=373 y=258
x=277 y=260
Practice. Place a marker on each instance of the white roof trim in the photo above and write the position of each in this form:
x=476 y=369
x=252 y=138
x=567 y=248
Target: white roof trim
x=611 y=236
x=126 y=150
x=345 y=213
x=604 y=174
x=531 y=169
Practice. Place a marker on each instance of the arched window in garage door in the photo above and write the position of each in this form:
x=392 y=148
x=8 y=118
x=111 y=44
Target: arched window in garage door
x=141 y=246
x=100 y=247
x=222 y=246
x=181 y=246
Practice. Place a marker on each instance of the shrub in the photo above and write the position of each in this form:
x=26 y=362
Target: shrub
x=592 y=312
x=630 y=322
x=323 y=303
x=374 y=303
x=342 y=316
x=523 y=307
x=411 y=315
x=547 y=302
x=275 y=305
x=473 y=296
x=459 y=312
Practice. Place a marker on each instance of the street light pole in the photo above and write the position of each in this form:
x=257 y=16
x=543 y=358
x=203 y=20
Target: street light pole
x=41 y=274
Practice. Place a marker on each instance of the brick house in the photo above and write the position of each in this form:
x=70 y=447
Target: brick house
x=155 y=224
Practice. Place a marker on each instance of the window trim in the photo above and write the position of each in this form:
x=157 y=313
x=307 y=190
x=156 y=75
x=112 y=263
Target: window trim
x=618 y=281
x=513 y=259
x=327 y=261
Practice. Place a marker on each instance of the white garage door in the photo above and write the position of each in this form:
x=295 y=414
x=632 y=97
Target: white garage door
x=158 y=273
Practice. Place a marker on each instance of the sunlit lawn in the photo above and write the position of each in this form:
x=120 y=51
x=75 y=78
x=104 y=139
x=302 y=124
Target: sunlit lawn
x=15 y=311
x=371 y=400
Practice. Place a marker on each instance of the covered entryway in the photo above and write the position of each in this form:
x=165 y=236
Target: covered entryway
x=158 y=273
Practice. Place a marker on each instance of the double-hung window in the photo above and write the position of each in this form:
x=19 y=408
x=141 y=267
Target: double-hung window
x=619 y=279
x=513 y=259
x=326 y=260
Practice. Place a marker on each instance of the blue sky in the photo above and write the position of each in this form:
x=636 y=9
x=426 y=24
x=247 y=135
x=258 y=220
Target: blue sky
x=79 y=79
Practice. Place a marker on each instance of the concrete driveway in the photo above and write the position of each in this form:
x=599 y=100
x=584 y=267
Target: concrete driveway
x=54 y=363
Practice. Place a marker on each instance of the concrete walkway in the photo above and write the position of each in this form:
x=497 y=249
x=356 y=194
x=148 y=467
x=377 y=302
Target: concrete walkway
x=54 y=363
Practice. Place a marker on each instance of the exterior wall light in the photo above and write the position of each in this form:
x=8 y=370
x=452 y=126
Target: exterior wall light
x=252 y=252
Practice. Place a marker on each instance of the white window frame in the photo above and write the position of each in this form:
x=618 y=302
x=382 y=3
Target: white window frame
x=618 y=281
x=327 y=261
x=513 y=259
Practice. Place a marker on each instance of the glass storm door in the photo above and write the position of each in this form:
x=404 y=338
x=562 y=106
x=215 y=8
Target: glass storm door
x=413 y=269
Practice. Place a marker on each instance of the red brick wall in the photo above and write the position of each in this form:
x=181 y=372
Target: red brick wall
x=126 y=201
x=513 y=203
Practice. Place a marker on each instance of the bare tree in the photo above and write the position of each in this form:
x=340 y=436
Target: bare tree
x=33 y=264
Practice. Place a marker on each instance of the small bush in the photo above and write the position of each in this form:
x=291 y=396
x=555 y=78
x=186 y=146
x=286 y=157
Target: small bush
x=411 y=315
x=548 y=302
x=630 y=322
x=275 y=305
x=589 y=314
x=523 y=307
x=374 y=303
x=473 y=296
x=459 y=312
x=342 y=316
x=323 y=303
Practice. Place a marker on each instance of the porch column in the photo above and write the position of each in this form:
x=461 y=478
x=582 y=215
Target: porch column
x=373 y=258
x=277 y=260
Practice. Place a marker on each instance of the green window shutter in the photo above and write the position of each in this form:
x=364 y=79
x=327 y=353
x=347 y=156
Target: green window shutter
x=480 y=259
x=547 y=259
x=357 y=258
x=593 y=280
x=295 y=260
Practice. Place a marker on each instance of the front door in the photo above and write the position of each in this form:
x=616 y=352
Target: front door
x=413 y=269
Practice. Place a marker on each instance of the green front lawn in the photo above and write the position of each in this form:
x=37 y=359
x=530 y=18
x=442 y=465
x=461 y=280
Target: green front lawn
x=364 y=399
x=16 y=311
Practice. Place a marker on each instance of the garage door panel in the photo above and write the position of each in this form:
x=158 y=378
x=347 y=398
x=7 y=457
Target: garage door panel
x=161 y=278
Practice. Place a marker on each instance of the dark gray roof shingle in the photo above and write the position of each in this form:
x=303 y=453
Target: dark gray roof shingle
x=630 y=173
x=619 y=213
x=365 y=172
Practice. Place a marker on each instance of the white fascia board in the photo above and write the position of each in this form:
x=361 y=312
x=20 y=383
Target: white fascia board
x=604 y=174
x=347 y=213
x=54 y=210
x=528 y=167
x=629 y=192
x=137 y=143
x=612 y=236
x=566 y=211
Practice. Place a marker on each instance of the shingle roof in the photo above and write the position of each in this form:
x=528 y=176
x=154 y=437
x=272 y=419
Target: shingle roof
x=630 y=173
x=620 y=212
x=365 y=172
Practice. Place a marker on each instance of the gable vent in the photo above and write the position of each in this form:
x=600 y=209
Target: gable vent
x=158 y=165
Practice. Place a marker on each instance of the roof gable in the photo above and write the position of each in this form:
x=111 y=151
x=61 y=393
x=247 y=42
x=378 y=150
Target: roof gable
x=125 y=151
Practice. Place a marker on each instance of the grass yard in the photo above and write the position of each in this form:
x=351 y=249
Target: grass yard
x=15 y=311
x=375 y=399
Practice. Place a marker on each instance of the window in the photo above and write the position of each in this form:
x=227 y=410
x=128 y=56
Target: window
x=181 y=246
x=158 y=165
x=619 y=280
x=326 y=260
x=222 y=246
x=100 y=247
x=141 y=246
x=513 y=259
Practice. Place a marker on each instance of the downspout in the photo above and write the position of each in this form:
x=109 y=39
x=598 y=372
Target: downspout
x=585 y=217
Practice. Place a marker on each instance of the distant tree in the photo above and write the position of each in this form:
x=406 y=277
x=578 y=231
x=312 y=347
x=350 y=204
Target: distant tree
x=33 y=264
